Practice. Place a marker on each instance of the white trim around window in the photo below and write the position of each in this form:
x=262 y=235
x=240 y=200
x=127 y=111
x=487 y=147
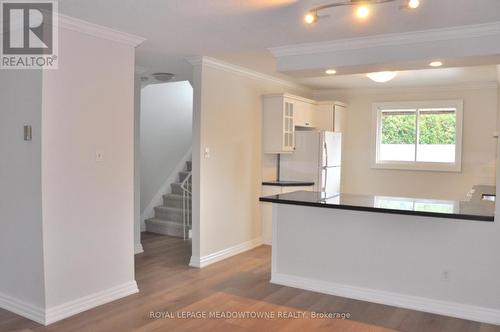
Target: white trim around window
x=416 y=106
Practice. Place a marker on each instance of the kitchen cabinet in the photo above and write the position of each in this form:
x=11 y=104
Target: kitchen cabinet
x=284 y=113
x=281 y=114
x=340 y=118
x=331 y=116
x=305 y=114
x=267 y=208
x=278 y=124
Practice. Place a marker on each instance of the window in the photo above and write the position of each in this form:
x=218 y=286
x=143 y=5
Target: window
x=423 y=135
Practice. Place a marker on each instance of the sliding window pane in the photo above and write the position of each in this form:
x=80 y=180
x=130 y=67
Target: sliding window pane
x=398 y=135
x=437 y=136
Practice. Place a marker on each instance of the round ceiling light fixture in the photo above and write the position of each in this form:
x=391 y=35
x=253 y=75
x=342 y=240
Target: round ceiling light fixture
x=382 y=76
x=436 y=64
x=330 y=72
x=163 y=77
x=362 y=10
x=413 y=4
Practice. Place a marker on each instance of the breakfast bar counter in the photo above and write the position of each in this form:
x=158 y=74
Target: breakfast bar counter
x=463 y=210
x=421 y=254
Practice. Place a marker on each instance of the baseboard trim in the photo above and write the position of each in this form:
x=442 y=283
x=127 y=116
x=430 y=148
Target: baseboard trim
x=157 y=200
x=139 y=249
x=201 y=262
x=452 y=309
x=85 y=303
x=23 y=309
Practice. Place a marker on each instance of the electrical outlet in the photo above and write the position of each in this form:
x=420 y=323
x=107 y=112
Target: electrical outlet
x=445 y=276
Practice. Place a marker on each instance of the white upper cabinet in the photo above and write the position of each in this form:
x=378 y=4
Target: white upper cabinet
x=305 y=114
x=340 y=118
x=331 y=116
x=278 y=124
x=284 y=113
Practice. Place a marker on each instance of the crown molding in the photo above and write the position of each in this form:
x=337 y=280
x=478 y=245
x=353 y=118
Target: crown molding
x=290 y=96
x=328 y=93
x=195 y=60
x=78 y=25
x=235 y=69
x=392 y=39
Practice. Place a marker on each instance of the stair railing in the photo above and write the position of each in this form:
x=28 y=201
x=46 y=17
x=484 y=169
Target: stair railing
x=187 y=195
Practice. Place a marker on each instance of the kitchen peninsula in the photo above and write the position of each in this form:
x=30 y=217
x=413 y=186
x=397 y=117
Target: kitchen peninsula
x=414 y=253
x=464 y=210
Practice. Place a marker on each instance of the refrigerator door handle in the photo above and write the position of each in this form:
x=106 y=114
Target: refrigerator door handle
x=325 y=147
x=326 y=178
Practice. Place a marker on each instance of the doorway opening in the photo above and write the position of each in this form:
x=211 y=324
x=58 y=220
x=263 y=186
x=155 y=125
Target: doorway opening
x=163 y=159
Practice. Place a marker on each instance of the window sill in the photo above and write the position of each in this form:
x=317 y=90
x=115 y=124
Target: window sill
x=424 y=167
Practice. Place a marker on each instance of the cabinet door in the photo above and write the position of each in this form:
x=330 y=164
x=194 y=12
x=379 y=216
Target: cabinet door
x=299 y=116
x=340 y=119
x=325 y=117
x=288 y=127
x=304 y=114
x=267 y=213
x=309 y=116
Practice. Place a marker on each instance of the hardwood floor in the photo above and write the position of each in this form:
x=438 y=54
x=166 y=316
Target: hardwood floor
x=238 y=284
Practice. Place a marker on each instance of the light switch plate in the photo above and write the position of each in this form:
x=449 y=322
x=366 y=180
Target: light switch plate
x=207 y=153
x=28 y=133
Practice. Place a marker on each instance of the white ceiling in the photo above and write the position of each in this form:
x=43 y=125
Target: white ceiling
x=408 y=78
x=241 y=31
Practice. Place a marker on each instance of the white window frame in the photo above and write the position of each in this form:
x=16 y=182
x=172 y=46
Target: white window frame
x=377 y=109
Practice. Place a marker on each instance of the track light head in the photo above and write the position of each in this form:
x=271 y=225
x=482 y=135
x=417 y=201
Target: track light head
x=311 y=18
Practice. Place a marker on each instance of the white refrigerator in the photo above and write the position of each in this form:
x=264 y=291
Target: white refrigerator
x=317 y=158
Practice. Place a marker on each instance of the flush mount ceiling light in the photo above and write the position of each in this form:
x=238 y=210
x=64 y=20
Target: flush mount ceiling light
x=413 y=4
x=330 y=72
x=382 y=76
x=163 y=77
x=436 y=64
x=362 y=10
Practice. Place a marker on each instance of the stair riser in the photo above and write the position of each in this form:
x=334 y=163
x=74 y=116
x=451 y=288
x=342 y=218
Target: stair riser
x=183 y=176
x=176 y=189
x=172 y=202
x=169 y=215
x=165 y=229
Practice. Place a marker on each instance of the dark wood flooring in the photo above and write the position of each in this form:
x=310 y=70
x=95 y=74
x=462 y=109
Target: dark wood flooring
x=238 y=284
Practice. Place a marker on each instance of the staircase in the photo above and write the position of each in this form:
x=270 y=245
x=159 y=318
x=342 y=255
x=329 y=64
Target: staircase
x=173 y=218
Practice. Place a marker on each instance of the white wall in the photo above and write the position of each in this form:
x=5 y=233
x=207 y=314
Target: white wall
x=88 y=206
x=137 y=165
x=21 y=250
x=479 y=146
x=165 y=135
x=228 y=121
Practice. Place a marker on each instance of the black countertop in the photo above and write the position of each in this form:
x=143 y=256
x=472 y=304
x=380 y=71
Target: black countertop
x=480 y=211
x=288 y=183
